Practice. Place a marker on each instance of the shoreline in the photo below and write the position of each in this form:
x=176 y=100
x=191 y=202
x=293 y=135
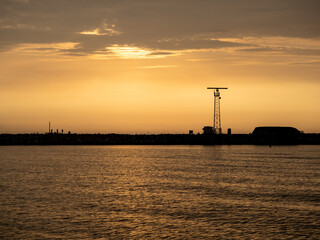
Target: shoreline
x=156 y=139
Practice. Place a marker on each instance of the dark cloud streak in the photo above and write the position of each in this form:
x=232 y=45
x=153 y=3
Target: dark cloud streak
x=285 y=50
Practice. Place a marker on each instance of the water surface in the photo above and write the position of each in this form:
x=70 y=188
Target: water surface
x=159 y=192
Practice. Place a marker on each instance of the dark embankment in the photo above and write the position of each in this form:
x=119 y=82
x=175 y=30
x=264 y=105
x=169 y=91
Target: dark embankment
x=160 y=139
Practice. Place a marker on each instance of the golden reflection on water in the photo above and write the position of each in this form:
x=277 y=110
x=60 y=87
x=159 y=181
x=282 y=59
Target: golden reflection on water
x=154 y=192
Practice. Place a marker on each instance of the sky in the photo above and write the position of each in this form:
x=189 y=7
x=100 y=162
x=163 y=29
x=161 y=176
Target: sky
x=143 y=66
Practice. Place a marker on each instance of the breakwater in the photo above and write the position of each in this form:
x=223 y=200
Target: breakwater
x=154 y=139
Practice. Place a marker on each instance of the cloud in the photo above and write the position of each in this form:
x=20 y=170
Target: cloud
x=162 y=53
x=260 y=49
x=51 y=48
x=307 y=52
x=277 y=42
x=93 y=32
x=307 y=63
x=159 y=26
x=190 y=44
x=103 y=30
x=17 y=26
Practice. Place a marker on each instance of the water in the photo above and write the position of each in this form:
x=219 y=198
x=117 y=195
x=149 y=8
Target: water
x=160 y=192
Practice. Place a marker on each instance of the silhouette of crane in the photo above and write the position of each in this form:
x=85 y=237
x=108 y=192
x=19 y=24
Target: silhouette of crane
x=216 y=117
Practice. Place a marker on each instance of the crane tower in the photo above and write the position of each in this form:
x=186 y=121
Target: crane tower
x=216 y=117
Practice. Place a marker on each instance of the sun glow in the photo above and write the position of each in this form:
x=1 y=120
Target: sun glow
x=128 y=52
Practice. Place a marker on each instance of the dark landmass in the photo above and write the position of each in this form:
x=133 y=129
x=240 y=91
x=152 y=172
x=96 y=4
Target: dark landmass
x=256 y=138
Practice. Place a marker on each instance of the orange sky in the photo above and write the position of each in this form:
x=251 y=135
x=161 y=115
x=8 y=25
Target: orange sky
x=144 y=66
